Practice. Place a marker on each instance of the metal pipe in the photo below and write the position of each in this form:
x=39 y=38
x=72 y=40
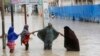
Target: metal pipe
x=25 y=14
x=12 y=16
x=43 y=13
x=3 y=26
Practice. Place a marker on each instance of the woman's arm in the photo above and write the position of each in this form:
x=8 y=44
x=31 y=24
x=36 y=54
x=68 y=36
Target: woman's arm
x=34 y=32
x=61 y=34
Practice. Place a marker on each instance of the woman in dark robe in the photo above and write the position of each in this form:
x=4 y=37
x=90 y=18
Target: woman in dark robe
x=71 y=42
x=11 y=37
x=48 y=35
x=25 y=36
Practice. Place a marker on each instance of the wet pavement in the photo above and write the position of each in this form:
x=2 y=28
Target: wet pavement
x=87 y=33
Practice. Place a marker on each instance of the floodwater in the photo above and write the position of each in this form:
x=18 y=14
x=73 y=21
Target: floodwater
x=87 y=33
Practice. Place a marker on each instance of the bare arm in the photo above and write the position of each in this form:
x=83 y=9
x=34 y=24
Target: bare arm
x=58 y=32
x=61 y=34
x=35 y=31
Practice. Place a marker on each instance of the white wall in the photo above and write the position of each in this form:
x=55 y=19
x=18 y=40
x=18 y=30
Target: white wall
x=66 y=2
x=96 y=1
x=72 y=2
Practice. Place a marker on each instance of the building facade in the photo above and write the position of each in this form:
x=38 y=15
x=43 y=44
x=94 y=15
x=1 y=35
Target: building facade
x=72 y=2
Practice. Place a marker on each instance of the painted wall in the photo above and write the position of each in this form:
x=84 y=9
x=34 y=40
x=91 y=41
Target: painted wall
x=72 y=2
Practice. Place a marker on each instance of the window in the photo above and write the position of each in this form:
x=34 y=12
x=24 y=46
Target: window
x=84 y=1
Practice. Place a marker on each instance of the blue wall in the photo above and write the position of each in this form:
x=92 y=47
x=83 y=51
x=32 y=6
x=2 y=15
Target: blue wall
x=83 y=11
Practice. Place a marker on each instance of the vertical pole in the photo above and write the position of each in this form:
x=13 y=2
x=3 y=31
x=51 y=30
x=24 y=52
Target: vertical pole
x=25 y=14
x=12 y=16
x=3 y=26
x=41 y=5
x=43 y=12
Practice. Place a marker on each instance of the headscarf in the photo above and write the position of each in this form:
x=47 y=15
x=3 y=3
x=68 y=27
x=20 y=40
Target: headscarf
x=12 y=36
x=49 y=25
x=26 y=27
x=69 y=33
x=67 y=28
x=11 y=29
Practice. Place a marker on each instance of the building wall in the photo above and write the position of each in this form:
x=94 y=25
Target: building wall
x=72 y=2
x=65 y=2
x=97 y=2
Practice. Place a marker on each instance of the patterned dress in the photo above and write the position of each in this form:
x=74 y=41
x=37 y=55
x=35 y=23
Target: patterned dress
x=11 y=37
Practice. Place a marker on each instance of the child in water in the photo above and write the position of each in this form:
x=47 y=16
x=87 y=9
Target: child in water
x=11 y=37
x=25 y=36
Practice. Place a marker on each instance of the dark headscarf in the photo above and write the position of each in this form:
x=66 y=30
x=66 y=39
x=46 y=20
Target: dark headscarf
x=49 y=25
x=69 y=33
x=67 y=28
x=26 y=27
x=12 y=36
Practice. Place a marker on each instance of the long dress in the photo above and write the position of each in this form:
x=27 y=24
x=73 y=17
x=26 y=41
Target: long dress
x=71 y=42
